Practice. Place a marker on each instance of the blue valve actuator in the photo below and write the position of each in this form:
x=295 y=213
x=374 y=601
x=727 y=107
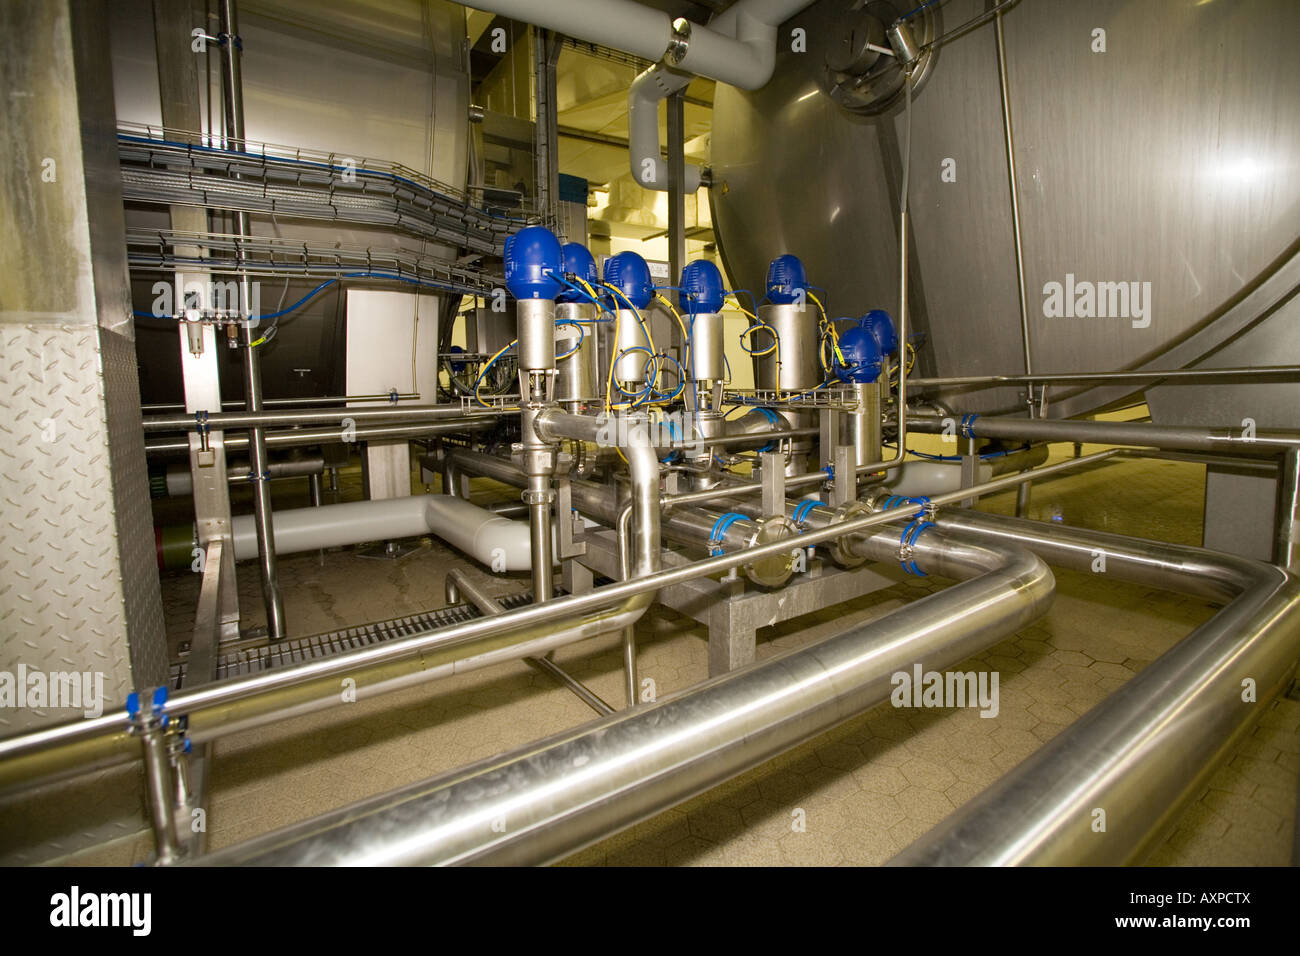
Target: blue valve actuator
x=786 y=280
x=629 y=273
x=579 y=262
x=533 y=259
x=702 y=284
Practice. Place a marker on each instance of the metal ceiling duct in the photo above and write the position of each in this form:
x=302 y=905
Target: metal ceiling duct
x=1156 y=147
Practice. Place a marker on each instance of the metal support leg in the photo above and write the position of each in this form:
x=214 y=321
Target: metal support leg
x=317 y=496
x=630 y=679
x=969 y=465
x=772 y=475
x=149 y=724
x=1022 y=500
x=731 y=644
x=263 y=521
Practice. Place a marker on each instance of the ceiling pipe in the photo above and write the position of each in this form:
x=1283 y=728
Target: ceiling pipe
x=738 y=47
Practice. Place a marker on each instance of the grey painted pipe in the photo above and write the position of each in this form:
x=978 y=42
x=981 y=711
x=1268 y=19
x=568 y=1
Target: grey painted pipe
x=1232 y=441
x=1142 y=753
x=742 y=51
x=548 y=799
x=180 y=480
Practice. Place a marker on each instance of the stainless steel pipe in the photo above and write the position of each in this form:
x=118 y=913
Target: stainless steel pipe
x=1142 y=753
x=551 y=798
x=100 y=741
x=296 y=402
x=319 y=416
x=296 y=437
x=232 y=95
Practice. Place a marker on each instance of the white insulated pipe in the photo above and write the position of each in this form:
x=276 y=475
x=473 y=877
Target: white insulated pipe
x=649 y=168
x=499 y=543
x=738 y=47
x=645 y=32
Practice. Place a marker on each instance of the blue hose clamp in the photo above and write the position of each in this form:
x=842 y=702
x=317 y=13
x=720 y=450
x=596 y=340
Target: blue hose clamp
x=720 y=531
x=676 y=434
x=898 y=501
x=803 y=509
x=967 y=425
x=907 y=540
x=772 y=417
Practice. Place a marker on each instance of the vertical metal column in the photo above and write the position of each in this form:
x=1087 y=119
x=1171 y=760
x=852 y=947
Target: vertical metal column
x=546 y=54
x=677 y=206
x=1015 y=205
x=233 y=101
x=178 y=91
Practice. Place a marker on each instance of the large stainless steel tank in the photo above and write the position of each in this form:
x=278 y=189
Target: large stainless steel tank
x=1169 y=159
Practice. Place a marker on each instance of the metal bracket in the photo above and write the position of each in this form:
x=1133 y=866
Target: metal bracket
x=568 y=525
x=680 y=43
x=844 y=483
x=772 y=476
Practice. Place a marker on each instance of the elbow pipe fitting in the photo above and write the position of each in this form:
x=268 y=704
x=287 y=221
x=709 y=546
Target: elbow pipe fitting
x=648 y=167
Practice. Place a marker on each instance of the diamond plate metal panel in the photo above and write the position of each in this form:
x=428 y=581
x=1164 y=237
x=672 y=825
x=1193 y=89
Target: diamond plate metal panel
x=78 y=586
x=142 y=601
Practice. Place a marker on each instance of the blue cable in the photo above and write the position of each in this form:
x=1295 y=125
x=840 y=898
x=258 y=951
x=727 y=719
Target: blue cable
x=720 y=530
x=928 y=3
x=805 y=508
x=681 y=379
x=372 y=274
x=752 y=300
x=581 y=336
x=772 y=417
x=582 y=292
x=651 y=362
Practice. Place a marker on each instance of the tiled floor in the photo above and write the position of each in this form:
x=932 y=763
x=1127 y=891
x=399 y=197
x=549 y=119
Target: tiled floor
x=862 y=792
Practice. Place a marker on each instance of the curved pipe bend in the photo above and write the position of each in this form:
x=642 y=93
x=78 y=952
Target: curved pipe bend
x=563 y=793
x=1149 y=747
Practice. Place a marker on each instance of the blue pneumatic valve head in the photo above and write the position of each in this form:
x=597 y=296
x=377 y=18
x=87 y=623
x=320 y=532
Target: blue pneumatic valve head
x=577 y=262
x=881 y=327
x=629 y=273
x=702 y=284
x=786 y=280
x=533 y=259
x=862 y=356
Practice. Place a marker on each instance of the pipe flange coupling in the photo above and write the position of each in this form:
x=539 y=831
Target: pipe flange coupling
x=538 y=497
x=680 y=43
x=774 y=571
x=841 y=548
x=874 y=498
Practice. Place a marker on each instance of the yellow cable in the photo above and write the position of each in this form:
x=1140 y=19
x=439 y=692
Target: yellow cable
x=651 y=387
x=478 y=386
x=732 y=295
